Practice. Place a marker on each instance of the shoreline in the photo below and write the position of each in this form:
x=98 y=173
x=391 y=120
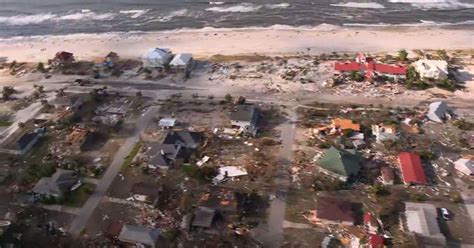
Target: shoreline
x=239 y=41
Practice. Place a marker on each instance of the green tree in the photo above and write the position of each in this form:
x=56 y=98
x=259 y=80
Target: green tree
x=40 y=67
x=228 y=97
x=442 y=54
x=356 y=76
x=7 y=92
x=402 y=55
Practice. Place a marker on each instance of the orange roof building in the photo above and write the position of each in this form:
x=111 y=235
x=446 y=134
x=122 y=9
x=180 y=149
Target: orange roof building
x=345 y=124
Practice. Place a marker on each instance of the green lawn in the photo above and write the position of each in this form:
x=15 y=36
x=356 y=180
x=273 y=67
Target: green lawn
x=78 y=197
x=5 y=123
x=129 y=159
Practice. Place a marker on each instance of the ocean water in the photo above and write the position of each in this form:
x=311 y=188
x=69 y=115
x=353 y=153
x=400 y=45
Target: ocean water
x=56 y=17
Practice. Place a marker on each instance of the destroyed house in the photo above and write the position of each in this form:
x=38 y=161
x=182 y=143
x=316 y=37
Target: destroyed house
x=438 y=111
x=331 y=210
x=139 y=236
x=146 y=192
x=386 y=175
x=57 y=185
x=73 y=102
x=203 y=217
x=371 y=223
x=422 y=220
x=370 y=68
x=411 y=168
x=246 y=118
x=162 y=156
x=345 y=124
x=341 y=164
x=376 y=241
x=111 y=59
x=435 y=69
x=185 y=139
x=465 y=166
x=63 y=58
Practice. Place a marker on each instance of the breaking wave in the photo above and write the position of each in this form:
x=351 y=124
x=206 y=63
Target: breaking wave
x=173 y=14
x=278 y=6
x=436 y=4
x=245 y=7
x=216 y=3
x=88 y=15
x=135 y=13
x=368 y=5
x=84 y=14
x=26 y=19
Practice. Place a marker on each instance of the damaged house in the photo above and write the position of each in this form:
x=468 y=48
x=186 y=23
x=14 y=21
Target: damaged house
x=411 y=168
x=384 y=132
x=139 y=236
x=245 y=118
x=332 y=211
x=422 y=220
x=162 y=156
x=157 y=58
x=61 y=182
x=341 y=164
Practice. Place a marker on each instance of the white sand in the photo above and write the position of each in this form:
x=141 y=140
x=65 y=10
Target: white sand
x=240 y=41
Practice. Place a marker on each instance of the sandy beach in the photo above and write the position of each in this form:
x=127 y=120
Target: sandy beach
x=207 y=42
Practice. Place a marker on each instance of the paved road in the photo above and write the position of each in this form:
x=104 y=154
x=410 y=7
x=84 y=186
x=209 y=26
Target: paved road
x=85 y=213
x=271 y=234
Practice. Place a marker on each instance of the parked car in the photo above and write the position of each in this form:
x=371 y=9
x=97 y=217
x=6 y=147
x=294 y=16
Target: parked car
x=445 y=213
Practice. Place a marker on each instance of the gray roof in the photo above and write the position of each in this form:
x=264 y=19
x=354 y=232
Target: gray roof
x=422 y=219
x=60 y=182
x=244 y=113
x=162 y=154
x=67 y=101
x=203 y=217
x=438 y=111
x=186 y=139
x=26 y=139
x=139 y=235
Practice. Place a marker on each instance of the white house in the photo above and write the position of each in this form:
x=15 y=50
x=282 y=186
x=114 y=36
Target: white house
x=465 y=166
x=182 y=61
x=157 y=58
x=438 y=112
x=436 y=69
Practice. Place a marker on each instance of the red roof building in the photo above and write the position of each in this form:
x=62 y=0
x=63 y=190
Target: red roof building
x=376 y=241
x=412 y=171
x=370 y=67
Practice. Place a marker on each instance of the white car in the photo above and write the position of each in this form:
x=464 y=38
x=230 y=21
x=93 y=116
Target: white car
x=445 y=213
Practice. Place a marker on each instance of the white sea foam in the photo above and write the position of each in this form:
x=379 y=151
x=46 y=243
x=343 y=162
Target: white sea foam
x=367 y=5
x=278 y=6
x=26 y=19
x=171 y=15
x=245 y=7
x=85 y=15
x=135 y=13
x=436 y=4
x=422 y=23
x=216 y=3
